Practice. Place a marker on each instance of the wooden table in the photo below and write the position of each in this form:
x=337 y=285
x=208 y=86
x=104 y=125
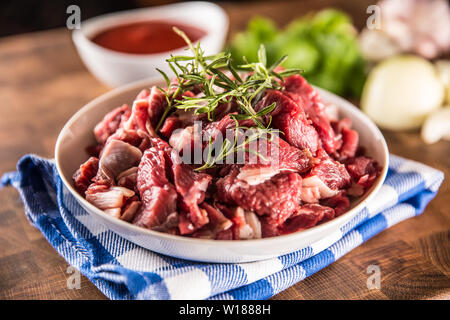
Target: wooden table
x=43 y=82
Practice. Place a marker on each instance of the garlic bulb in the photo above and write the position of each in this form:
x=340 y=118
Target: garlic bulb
x=376 y=45
x=416 y=26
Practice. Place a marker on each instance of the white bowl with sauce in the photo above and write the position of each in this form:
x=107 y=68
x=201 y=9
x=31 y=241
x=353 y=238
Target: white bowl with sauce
x=77 y=135
x=115 y=68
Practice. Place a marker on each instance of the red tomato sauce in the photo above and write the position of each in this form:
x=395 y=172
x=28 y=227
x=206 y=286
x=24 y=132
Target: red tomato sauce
x=146 y=37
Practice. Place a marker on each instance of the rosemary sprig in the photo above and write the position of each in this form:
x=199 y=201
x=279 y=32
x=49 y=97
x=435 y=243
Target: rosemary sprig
x=231 y=147
x=219 y=82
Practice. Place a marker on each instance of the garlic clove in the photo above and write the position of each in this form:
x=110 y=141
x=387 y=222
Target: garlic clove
x=437 y=126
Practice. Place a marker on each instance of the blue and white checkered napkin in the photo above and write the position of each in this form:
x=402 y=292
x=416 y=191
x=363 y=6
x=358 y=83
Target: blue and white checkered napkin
x=122 y=270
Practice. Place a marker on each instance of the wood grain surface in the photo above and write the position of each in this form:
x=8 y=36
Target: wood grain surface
x=43 y=82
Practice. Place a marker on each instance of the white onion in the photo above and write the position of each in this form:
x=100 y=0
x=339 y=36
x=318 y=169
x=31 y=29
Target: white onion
x=443 y=68
x=401 y=92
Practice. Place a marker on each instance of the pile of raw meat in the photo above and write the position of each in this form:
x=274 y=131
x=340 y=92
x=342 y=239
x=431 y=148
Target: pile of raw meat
x=137 y=175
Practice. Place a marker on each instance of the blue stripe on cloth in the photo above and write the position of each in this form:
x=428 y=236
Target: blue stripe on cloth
x=258 y=290
x=373 y=226
x=420 y=200
x=317 y=262
x=405 y=190
x=123 y=270
x=296 y=257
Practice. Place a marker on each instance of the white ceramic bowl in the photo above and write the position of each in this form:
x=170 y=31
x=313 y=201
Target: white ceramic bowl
x=116 y=68
x=77 y=135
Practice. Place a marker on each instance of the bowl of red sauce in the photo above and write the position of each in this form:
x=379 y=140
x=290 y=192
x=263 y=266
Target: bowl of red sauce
x=127 y=46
